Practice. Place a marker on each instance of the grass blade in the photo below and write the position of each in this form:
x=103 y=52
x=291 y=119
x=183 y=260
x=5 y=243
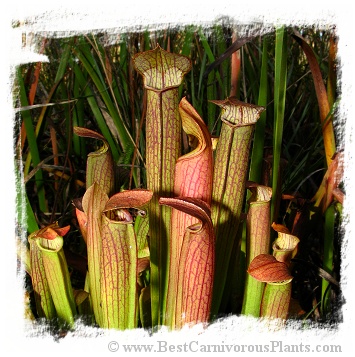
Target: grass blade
x=88 y=93
x=328 y=254
x=84 y=55
x=32 y=143
x=324 y=109
x=257 y=154
x=279 y=104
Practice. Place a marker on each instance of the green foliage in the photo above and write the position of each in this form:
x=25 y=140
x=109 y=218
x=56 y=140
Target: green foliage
x=90 y=82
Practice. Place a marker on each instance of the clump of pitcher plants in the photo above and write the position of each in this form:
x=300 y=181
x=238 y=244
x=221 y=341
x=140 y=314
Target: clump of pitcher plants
x=161 y=255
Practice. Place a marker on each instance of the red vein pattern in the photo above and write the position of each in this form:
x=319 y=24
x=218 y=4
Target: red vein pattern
x=276 y=301
x=196 y=265
x=194 y=171
x=99 y=165
x=257 y=242
x=94 y=201
x=82 y=221
x=49 y=241
x=59 y=284
x=193 y=178
x=119 y=274
x=274 y=269
x=44 y=302
x=129 y=199
x=285 y=245
x=230 y=173
x=258 y=221
x=268 y=269
x=119 y=261
x=162 y=74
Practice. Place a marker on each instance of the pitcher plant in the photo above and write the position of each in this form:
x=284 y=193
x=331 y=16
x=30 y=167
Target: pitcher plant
x=165 y=252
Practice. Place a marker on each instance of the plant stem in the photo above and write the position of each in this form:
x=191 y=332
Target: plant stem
x=230 y=173
x=162 y=74
x=258 y=242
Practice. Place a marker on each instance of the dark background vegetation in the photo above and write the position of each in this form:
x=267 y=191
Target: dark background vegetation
x=90 y=81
